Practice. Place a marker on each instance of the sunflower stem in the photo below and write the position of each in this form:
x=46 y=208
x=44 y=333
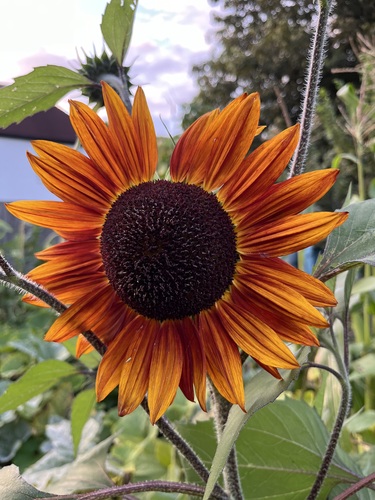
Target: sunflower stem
x=221 y=408
x=126 y=489
x=171 y=434
x=336 y=431
x=21 y=283
x=316 y=58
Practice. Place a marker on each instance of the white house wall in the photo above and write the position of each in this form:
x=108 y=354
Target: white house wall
x=18 y=181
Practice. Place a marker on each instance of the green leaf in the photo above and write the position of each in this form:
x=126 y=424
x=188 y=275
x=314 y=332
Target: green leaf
x=363 y=367
x=347 y=94
x=280 y=451
x=81 y=409
x=117 y=26
x=13 y=487
x=364 y=285
x=361 y=421
x=260 y=391
x=350 y=244
x=37 y=379
x=37 y=91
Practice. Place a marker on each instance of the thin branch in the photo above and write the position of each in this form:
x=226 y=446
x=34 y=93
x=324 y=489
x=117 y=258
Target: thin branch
x=316 y=62
x=221 y=408
x=335 y=434
x=356 y=487
x=164 y=486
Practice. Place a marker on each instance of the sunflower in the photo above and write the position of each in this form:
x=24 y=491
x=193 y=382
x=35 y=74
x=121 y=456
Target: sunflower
x=177 y=276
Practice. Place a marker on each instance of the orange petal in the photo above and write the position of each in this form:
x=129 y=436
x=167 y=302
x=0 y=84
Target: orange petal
x=223 y=358
x=289 y=197
x=165 y=370
x=289 y=234
x=82 y=315
x=259 y=170
x=144 y=127
x=194 y=369
x=255 y=337
x=98 y=144
x=270 y=369
x=135 y=372
x=71 y=176
x=56 y=215
x=184 y=161
x=70 y=248
x=280 y=299
x=277 y=270
x=231 y=141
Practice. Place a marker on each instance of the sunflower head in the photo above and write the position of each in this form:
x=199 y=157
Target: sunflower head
x=97 y=68
x=178 y=276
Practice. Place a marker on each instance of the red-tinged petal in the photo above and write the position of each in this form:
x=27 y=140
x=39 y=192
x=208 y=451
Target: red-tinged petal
x=83 y=346
x=135 y=372
x=276 y=270
x=254 y=337
x=70 y=289
x=194 y=369
x=144 y=127
x=63 y=179
x=270 y=369
x=98 y=144
x=125 y=138
x=82 y=315
x=67 y=249
x=165 y=370
x=289 y=197
x=289 y=234
x=232 y=142
x=56 y=215
x=112 y=363
x=55 y=270
x=280 y=300
x=222 y=357
x=259 y=170
x=184 y=162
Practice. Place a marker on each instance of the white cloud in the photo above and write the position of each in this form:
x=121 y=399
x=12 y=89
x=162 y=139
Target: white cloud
x=166 y=42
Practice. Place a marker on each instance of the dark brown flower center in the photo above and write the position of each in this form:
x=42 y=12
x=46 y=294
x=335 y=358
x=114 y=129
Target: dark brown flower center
x=168 y=249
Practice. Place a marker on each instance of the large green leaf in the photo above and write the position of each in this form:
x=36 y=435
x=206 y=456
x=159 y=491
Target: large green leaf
x=39 y=378
x=37 y=91
x=261 y=390
x=279 y=452
x=117 y=26
x=13 y=487
x=350 y=244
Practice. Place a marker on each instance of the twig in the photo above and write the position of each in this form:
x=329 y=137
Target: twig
x=164 y=486
x=335 y=434
x=356 y=487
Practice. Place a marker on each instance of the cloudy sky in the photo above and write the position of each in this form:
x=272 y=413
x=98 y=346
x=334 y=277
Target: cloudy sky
x=168 y=38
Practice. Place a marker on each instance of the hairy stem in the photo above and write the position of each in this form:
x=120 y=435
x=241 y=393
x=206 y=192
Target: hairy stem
x=221 y=408
x=316 y=62
x=126 y=489
x=366 y=481
x=335 y=434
